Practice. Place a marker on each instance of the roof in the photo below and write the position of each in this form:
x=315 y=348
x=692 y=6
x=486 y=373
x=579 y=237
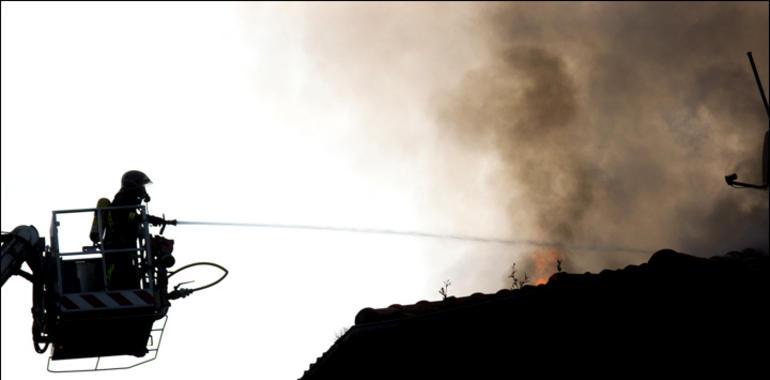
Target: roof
x=674 y=303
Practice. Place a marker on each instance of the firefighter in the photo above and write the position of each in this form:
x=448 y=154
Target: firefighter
x=123 y=228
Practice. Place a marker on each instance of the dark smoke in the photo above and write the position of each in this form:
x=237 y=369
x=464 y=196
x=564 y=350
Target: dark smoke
x=619 y=121
x=592 y=124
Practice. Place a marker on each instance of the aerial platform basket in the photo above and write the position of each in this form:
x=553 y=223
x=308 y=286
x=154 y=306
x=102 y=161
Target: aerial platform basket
x=89 y=316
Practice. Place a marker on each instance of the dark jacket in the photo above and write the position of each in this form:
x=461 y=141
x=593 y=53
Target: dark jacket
x=123 y=228
x=125 y=225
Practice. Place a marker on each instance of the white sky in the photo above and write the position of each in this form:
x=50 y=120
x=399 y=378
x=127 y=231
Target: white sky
x=224 y=109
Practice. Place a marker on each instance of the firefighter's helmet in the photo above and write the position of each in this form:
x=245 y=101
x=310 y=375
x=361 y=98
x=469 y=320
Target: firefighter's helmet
x=134 y=178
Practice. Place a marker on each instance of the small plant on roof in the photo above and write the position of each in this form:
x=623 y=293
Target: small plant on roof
x=516 y=283
x=340 y=333
x=444 y=289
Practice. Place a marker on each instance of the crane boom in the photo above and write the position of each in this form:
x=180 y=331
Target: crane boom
x=21 y=245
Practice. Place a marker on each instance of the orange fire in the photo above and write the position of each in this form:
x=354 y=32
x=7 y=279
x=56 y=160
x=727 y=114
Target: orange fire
x=545 y=264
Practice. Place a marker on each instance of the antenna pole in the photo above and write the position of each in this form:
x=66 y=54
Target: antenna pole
x=759 y=83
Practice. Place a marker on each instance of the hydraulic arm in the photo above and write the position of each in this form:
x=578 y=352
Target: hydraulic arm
x=21 y=245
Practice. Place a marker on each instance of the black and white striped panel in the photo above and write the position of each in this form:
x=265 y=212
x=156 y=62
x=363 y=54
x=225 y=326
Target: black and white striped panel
x=107 y=300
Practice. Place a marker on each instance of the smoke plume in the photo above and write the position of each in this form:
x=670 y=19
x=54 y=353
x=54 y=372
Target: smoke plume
x=604 y=125
x=620 y=120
